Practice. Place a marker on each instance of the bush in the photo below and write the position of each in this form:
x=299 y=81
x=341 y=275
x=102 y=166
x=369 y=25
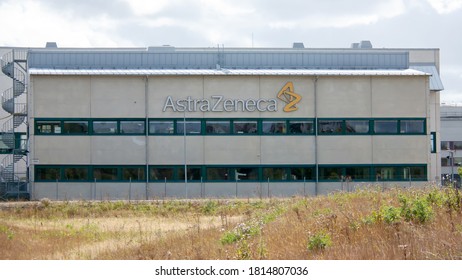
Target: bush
x=319 y=241
x=416 y=210
x=390 y=214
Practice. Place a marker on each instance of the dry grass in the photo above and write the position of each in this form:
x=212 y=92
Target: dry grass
x=365 y=224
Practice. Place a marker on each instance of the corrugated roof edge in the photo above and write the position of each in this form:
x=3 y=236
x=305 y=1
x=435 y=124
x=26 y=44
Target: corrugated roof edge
x=226 y=72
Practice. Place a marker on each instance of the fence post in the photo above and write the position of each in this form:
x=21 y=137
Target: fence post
x=57 y=192
x=304 y=186
x=165 y=187
x=268 y=188
x=130 y=190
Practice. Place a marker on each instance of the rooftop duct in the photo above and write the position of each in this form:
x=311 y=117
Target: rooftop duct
x=51 y=45
x=298 y=45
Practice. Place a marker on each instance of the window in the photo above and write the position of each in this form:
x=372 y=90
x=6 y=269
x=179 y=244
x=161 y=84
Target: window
x=105 y=173
x=192 y=127
x=416 y=172
x=447 y=145
x=433 y=142
x=246 y=174
x=47 y=173
x=217 y=127
x=161 y=127
x=301 y=127
x=330 y=127
x=76 y=173
x=133 y=173
x=48 y=127
x=274 y=127
x=445 y=162
x=75 y=127
x=245 y=127
x=419 y=172
x=161 y=173
x=457 y=161
x=330 y=173
x=358 y=173
x=104 y=127
x=386 y=126
x=132 y=127
x=302 y=174
x=412 y=126
x=274 y=173
x=357 y=126
x=217 y=173
x=193 y=173
x=386 y=173
x=457 y=145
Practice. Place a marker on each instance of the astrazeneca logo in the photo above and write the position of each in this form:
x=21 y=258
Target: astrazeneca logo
x=288 y=95
x=218 y=103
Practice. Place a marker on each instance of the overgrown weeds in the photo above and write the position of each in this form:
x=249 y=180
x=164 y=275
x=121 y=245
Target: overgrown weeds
x=420 y=223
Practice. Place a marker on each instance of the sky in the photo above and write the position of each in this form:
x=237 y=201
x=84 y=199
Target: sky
x=242 y=23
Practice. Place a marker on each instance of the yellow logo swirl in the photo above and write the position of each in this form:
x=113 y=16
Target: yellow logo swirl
x=288 y=95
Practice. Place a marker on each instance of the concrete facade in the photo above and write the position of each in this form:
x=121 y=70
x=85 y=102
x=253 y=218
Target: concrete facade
x=385 y=119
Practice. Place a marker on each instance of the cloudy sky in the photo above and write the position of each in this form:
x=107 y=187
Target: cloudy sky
x=242 y=23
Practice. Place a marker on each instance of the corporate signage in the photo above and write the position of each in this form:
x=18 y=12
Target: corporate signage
x=219 y=103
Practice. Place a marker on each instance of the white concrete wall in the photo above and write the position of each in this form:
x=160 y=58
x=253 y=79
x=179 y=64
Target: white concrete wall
x=124 y=97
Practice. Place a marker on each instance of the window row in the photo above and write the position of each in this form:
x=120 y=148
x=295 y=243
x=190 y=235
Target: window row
x=376 y=126
x=44 y=173
x=448 y=161
x=230 y=127
x=451 y=145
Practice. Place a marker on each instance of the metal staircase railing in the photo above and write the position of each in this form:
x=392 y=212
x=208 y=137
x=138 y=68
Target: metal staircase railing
x=13 y=65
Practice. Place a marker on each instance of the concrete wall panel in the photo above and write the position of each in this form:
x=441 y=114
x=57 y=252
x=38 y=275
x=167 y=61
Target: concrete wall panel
x=344 y=97
x=61 y=96
x=117 y=97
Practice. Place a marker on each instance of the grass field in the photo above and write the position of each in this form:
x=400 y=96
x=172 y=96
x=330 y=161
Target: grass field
x=366 y=224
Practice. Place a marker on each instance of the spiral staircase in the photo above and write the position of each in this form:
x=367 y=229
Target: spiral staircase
x=14 y=184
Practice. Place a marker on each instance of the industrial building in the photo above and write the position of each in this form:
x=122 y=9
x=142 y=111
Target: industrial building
x=451 y=143
x=222 y=122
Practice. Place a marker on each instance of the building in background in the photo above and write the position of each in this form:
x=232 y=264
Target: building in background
x=239 y=122
x=451 y=143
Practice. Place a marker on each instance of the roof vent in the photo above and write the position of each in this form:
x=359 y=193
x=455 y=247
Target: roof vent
x=362 y=45
x=365 y=45
x=51 y=45
x=164 y=48
x=298 y=45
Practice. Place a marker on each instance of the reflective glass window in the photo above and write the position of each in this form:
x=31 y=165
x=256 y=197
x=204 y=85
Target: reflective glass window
x=161 y=127
x=192 y=127
x=357 y=126
x=105 y=173
x=217 y=127
x=412 y=126
x=386 y=126
x=75 y=127
x=132 y=127
x=301 y=127
x=245 y=127
x=330 y=126
x=274 y=127
x=76 y=173
x=105 y=127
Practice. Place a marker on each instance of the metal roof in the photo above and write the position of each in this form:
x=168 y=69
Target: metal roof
x=228 y=72
x=435 y=80
x=171 y=58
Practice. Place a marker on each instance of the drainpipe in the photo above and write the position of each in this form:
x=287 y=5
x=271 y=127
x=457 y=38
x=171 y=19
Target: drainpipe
x=146 y=111
x=316 y=134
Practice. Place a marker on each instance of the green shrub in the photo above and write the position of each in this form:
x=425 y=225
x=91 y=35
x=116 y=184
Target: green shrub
x=319 y=241
x=390 y=214
x=417 y=210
